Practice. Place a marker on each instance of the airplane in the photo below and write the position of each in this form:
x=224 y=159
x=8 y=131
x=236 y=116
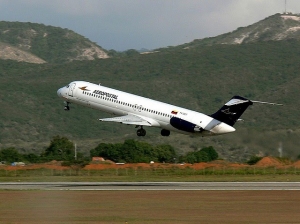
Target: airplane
x=135 y=110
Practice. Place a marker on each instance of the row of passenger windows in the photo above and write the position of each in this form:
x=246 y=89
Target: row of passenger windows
x=136 y=107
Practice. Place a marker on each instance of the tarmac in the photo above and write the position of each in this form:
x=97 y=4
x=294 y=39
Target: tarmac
x=149 y=186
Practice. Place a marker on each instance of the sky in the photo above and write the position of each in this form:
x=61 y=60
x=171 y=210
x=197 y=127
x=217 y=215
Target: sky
x=150 y=24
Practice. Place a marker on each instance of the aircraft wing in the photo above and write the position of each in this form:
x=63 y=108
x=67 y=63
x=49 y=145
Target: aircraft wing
x=128 y=119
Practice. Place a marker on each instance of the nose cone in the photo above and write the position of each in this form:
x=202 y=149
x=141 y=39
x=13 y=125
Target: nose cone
x=59 y=92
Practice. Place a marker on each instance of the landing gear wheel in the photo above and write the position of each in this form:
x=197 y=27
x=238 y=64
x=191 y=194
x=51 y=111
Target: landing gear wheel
x=141 y=132
x=165 y=132
x=66 y=108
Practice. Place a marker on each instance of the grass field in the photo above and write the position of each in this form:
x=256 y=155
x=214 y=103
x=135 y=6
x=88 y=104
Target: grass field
x=149 y=207
x=193 y=178
x=244 y=174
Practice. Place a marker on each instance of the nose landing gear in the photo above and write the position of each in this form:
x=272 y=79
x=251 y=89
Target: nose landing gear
x=67 y=108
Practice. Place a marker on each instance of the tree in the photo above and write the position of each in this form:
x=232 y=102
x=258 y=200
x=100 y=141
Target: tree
x=190 y=157
x=166 y=153
x=253 y=160
x=10 y=155
x=131 y=52
x=108 y=151
x=32 y=158
x=202 y=156
x=147 y=152
x=211 y=153
x=60 y=148
x=205 y=154
x=132 y=151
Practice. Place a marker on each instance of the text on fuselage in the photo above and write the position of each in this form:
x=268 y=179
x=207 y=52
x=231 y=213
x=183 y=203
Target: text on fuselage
x=109 y=95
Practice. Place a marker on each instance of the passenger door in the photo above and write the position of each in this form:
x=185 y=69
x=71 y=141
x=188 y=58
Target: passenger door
x=71 y=89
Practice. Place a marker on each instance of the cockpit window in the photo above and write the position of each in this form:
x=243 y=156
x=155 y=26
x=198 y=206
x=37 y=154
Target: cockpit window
x=67 y=86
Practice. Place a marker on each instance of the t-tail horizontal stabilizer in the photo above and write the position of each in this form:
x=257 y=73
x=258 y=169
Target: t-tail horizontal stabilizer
x=234 y=108
x=276 y=104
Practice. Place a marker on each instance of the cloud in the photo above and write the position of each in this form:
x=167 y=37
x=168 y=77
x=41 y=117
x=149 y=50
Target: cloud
x=69 y=7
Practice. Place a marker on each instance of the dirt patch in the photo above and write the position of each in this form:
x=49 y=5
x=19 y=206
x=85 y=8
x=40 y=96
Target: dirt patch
x=269 y=162
x=218 y=164
x=297 y=164
x=14 y=53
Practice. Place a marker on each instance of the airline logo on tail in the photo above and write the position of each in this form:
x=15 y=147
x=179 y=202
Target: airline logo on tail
x=227 y=111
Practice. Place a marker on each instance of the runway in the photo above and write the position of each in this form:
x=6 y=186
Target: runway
x=149 y=186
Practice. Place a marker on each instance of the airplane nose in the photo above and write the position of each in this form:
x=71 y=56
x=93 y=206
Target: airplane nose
x=59 y=92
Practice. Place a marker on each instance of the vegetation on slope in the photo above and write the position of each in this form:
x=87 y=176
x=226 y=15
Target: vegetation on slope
x=52 y=44
x=200 y=78
x=277 y=27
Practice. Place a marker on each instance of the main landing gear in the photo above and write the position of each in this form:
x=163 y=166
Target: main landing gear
x=67 y=108
x=141 y=132
x=165 y=132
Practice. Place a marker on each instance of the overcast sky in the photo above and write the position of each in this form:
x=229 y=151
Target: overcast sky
x=136 y=24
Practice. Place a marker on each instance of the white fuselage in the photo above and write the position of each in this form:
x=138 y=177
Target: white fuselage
x=156 y=113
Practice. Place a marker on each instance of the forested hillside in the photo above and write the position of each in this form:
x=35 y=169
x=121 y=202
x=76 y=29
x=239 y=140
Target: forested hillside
x=200 y=78
x=273 y=28
x=37 y=43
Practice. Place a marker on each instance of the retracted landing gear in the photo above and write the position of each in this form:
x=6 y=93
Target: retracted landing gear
x=141 y=132
x=165 y=132
x=67 y=108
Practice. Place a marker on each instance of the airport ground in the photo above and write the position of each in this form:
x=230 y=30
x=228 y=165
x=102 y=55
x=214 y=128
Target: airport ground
x=275 y=199
x=266 y=170
x=192 y=207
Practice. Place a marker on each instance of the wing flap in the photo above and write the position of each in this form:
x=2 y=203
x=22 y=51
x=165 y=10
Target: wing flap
x=128 y=119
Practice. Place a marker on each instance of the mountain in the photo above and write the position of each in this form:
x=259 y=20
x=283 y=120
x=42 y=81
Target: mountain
x=277 y=27
x=202 y=77
x=37 y=43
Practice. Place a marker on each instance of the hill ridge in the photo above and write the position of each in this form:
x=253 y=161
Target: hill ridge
x=277 y=27
x=38 y=43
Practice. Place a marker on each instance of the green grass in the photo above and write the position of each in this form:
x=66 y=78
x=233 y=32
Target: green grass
x=168 y=175
x=194 y=178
